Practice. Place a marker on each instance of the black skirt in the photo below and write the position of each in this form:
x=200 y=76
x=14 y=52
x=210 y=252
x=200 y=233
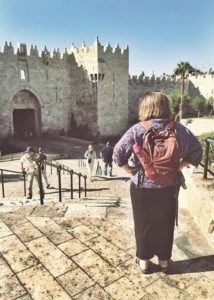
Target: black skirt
x=154 y=220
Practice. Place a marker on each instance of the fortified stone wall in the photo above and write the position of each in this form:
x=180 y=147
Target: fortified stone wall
x=46 y=79
x=201 y=85
x=87 y=86
x=140 y=85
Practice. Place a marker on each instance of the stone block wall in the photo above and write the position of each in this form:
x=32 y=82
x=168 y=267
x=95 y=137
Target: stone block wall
x=112 y=91
x=199 y=200
x=201 y=85
x=139 y=86
x=46 y=79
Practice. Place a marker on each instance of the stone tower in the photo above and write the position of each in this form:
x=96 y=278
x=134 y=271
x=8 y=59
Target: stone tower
x=107 y=70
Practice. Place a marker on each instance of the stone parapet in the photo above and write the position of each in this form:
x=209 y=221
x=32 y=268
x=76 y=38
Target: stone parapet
x=199 y=200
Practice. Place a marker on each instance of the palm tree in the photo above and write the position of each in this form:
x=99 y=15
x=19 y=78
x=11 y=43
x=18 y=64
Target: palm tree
x=181 y=69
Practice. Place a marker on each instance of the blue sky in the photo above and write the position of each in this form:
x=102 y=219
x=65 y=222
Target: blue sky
x=160 y=33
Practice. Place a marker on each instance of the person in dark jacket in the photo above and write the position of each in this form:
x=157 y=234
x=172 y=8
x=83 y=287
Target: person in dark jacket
x=106 y=154
x=154 y=204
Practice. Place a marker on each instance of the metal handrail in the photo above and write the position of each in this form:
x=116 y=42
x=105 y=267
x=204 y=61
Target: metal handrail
x=2 y=180
x=82 y=164
x=208 y=142
x=59 y=168
x=64 y=167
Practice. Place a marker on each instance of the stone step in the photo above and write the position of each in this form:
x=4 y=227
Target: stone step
x=93 y=202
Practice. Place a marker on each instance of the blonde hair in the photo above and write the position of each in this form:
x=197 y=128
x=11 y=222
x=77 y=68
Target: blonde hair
x=90 y=146
x=154 y=105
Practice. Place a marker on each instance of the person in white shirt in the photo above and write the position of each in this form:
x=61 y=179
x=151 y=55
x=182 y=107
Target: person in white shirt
x=29 y=165
x=91 y=156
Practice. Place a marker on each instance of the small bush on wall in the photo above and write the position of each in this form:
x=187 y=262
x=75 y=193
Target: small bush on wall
x=202 y=140
x=198 y=105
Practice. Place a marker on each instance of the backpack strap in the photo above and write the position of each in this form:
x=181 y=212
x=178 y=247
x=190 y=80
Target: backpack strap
x=170 y=125
x=147 y=125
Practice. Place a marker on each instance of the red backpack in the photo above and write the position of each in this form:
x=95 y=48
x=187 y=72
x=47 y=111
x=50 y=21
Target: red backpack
x=160 y=153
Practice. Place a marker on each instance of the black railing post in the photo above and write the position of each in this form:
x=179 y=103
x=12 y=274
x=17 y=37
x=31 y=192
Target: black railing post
x=2 y=182
x=40 y=182
x=24 y=175
x=72 y=190
x=206 y=158
x=85 y=177
x=79 y=184
x=59 y=168
x=51 y=164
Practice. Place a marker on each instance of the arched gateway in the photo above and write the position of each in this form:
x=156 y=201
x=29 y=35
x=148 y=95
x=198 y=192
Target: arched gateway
x=26 y=114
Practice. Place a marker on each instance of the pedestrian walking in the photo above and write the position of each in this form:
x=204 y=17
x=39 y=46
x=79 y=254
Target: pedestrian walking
x=90 y=156
x=43 y=158
x=106 y=154
x=29 y=165
x=154 y=188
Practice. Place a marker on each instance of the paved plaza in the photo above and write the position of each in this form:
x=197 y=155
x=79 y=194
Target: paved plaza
x=84 y=248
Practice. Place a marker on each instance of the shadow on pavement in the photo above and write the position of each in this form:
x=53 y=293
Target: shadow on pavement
x=13 y=177
x=56 y=191
x=101 y=178
x=193 y=265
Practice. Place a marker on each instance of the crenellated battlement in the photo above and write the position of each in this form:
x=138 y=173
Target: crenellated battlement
x=8 y=49
x=169 y=80
x=99 y=48
x=33 y=51
x=151 y=80
x=21 y=50
x=201 y=76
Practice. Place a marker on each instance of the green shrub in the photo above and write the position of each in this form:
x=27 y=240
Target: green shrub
x=198 y=105
x=175 y=99
x=209 y=104
x=211 y=149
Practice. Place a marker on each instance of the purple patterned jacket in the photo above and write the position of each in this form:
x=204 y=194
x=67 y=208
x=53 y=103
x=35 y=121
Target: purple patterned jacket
x=191 y=151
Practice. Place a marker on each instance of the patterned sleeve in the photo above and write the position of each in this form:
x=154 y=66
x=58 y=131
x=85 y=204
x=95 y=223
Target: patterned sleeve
x=123 y=149
x=194 y=152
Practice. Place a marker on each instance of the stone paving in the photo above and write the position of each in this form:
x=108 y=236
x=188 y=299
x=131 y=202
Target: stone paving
x=84 y=248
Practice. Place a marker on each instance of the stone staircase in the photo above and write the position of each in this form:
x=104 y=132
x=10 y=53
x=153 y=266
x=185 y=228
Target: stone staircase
x=85 y=201
x=198 y=126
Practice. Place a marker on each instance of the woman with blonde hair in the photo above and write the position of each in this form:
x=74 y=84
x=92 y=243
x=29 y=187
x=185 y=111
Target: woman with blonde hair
x=91 y=156
x=154 y=198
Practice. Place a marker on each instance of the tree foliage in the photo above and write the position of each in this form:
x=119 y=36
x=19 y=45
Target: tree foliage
x=175 y=99
x=209 y=104
x=198 y=105
x=182 y=68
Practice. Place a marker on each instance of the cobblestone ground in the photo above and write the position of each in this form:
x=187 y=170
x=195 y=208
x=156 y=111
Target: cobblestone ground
x=84 y=248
